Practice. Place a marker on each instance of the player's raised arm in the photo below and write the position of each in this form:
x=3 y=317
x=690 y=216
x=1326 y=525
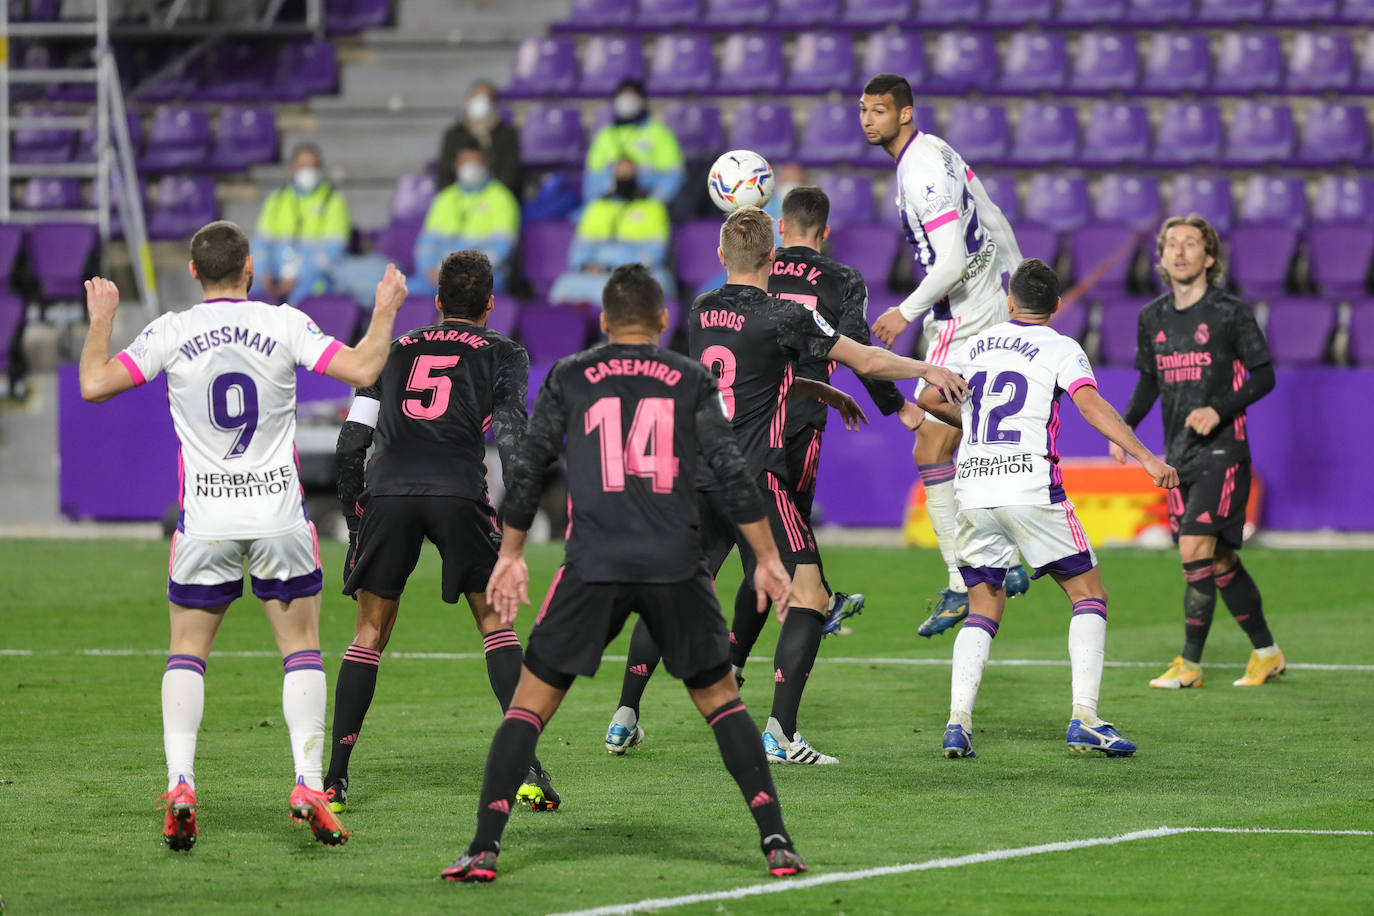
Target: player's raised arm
x=101 y=376
x=1104 y=418
x=996 y=224
x=945 y=242
x=359 y=366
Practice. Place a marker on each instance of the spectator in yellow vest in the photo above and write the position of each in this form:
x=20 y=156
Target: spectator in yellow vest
x=476 y=211
x=302 y=233
x=649 y=143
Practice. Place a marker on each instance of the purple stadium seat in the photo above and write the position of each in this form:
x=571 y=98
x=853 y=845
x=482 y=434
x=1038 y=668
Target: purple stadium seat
x=505 y=314
x=978 y=131
x=608 y=59
x=85 y=145
x=1333 y=134
x=551 y=136
x=1302 y=11
x=351 y=16
x=396 y=242
x=1072 y=320
x=52 y=194
x=1101 y=253
x=178 y=139
x=1320 y=62
x=942 y=12
x=303 y=69
x=1214 y=12
x=1116 y=132
x=1273 y=199
x=40 y=144
x=1158 y=12
x=543 y=67
x=1260 y=256
x=1362 y=334
x=1105 y=62
x=592 y=15
x=1364 y=75
x=1011 y=14
x=1339 y=257
x=1045 y=133
x=179 y=82
x=831 y=135
x=875 y=14
x=337 y=314
x=1188 y=132
x=244 y=137
x=1091 y=12
x=58 y=253
x=895 y=52
x=181 y=205
x=1037 y=241
x=235 y=71
x=694 y=249
x=412 y=197
x=544 y=248
x=1128 y=200
x=821 y=62
x=801 y=14
x=750 y=62
x=766 y=129
x=732 y=13
x=11 y=241
x=1118 y=332
x=418 y=311
x=12 y=315
x=1002 y=190
x=1357 y=12
x=680 y=64
x=851 y=199
x=551 y=332
x=1034 y=62
x=1344 y=199
x=655 y=15
x=1249 y=62
x=1298 y=330
x=963 y=61
x=1260 y=133
x=869 y=250
x=1176 y=62
x=1058 y=202
x=1209 y=196
x=698 y=129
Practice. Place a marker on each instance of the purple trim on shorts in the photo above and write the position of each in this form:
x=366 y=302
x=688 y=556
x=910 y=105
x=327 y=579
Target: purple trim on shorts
x=932 y=474
x=288 y=589
x=1072 y=565
x=1091 y=606
x=203 y=595
x=979 y=622
x=304 y=660
x=976 y=575
x=186 y=663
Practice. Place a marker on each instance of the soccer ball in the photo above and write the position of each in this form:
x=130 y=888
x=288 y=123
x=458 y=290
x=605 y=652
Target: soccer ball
x=740 y=178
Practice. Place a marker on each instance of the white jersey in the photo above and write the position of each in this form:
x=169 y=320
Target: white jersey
x=1016 y=373
x=231 y=383
x=932 y=190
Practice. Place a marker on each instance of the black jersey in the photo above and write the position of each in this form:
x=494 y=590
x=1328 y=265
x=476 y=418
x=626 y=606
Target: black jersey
x=1198 y=357
x=442 y=388
x=634 y=422
x=750 y=342
x=838 y=292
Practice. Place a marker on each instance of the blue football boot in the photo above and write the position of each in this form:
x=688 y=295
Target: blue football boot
x=1018 y=581
x=1102 y=737
x=958 y=742
x=952 y=609
x=844 y=606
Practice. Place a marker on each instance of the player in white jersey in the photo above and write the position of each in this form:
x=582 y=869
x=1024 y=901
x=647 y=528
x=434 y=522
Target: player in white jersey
x=231 y=385
x=965 y=244
x=1011 y=498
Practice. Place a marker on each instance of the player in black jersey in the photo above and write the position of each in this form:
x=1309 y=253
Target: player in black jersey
x=753 y=342
x=1201 y=352
x=428 y=414
x=638 y=422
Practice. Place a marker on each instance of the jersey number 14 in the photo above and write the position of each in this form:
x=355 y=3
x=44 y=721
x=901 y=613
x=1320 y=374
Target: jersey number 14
x=648 y=450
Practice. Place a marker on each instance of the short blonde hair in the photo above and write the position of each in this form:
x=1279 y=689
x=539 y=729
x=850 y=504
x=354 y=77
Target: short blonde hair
x=746 y=238
x=1211 y=244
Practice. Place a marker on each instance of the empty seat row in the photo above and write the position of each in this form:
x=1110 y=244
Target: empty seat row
x=340 y=16
x=57 y=256
x=177 y=206
x=1162 y=63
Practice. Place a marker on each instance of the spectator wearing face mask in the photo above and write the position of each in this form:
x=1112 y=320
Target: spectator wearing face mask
x=476 y=211
x=302 y=233
x=633 y=135
x=624 y=227
x=482 y=124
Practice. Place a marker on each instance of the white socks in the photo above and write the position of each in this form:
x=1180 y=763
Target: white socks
x=303 y=698
x=183 y=704
x=940 y=508
x=1087 y=646
x=972 y=647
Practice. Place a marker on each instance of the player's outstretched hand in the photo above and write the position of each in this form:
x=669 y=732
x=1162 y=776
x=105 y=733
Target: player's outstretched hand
x=848 y=408
x=102 y=298
x=771 y=582
x=508 y=587
x=1117 y=452
x=1164 y=475
x=391 y=291
x=889 y=325
x=1203 y=420
x=951 y=384
x=911 y=416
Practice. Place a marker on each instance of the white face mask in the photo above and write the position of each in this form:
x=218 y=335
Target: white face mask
x=479 y=107
x=472 y=175
x=628 y=106
x=306 y=179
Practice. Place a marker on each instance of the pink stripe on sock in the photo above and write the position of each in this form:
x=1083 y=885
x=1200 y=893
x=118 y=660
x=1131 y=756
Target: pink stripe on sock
x=1225 y=578
x=363 y=656
x=737 y=707
x=524 y=715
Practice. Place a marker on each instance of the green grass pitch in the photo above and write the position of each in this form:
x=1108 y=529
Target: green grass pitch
x=81 y=758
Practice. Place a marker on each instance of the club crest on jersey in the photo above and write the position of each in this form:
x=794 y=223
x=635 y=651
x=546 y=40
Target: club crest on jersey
x=1201 y=336
x=822 y=323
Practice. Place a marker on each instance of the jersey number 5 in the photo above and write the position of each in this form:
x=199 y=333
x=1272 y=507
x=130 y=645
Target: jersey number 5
x=439 y=387
x=648 y=452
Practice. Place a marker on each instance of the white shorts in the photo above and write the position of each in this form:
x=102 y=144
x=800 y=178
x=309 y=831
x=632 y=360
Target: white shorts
x=1049 y=538
x=209 y=573
x=941 y=338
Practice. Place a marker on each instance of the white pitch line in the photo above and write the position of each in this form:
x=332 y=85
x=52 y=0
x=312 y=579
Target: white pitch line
x=994 y=855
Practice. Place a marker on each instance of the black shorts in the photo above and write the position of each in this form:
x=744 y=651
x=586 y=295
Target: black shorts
x=791 y=529
x=578 y=619
x=1212 y=504
x=803 y=462
x=393 y=529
